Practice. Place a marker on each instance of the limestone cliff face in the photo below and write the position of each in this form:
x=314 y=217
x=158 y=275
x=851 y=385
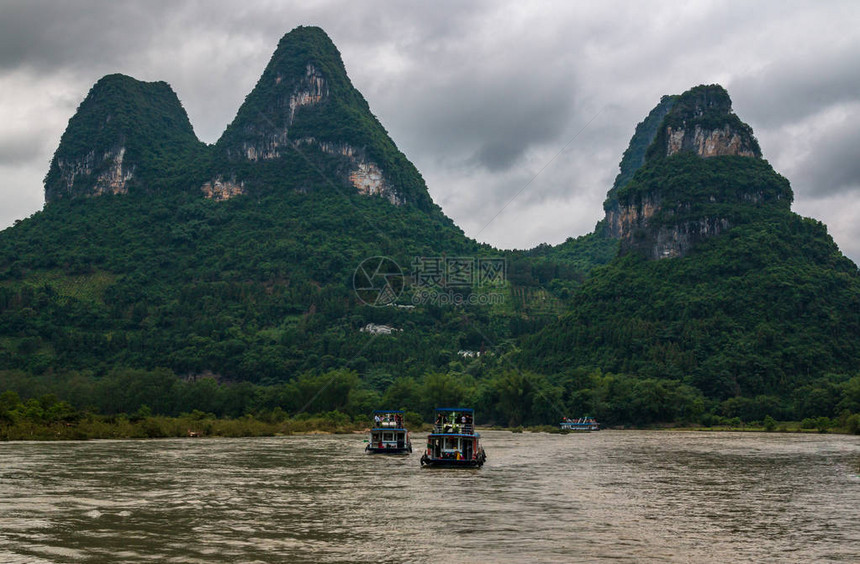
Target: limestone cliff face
x=678 y=198
x=267 y=141
x=624 y=220
x=701 y=121
x=635 y=225
x=106 y=174
x=708 y=142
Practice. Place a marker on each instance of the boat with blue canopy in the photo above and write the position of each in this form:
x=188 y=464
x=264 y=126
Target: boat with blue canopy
x=454 y=442
x=388 y=435
x=582 y=425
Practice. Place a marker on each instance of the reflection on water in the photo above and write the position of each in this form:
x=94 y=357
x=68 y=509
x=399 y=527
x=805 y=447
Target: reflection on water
x=620 y=496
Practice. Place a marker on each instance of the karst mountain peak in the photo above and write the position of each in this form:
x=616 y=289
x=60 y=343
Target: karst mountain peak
x=692 y=171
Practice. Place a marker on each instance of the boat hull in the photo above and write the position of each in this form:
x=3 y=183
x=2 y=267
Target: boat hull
x=375 y=450
x=429 y=462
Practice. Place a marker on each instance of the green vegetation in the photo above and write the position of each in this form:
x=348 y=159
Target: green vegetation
x=147 y=120
x=252 y=289
x=634 y=155
x=568 y=263
x=748 y=318
x=739 y=189
x=756 y=311
x=136 y=403
x=341 y=117
x=47 y=418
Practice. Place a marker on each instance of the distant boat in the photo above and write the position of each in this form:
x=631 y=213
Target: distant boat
x=454 y=442
x=582 y=425
x=388 y=435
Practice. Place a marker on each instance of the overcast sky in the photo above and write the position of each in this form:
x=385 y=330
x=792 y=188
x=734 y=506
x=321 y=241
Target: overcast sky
x=516 y=113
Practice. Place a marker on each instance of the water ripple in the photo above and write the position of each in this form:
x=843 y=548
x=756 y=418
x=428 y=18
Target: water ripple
x=608 y=496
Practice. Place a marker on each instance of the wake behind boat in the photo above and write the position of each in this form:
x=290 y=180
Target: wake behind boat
x=454 y=442
x=388 y=435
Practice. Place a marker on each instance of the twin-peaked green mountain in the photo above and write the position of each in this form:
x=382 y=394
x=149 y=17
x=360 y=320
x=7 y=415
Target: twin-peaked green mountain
x=304 y=124
x=700 y=289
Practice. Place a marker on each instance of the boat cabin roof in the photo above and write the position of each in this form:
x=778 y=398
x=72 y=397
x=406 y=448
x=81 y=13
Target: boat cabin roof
x=455 y=409
x=375 y=411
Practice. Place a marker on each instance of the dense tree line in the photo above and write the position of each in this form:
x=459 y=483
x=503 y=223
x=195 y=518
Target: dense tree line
x=502 y=396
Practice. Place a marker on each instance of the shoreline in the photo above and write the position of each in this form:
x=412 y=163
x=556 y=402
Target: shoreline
x=159 y=427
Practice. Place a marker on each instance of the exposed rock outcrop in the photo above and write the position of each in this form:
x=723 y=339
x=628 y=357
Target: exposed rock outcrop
x=220 y=189
x=708 y=142
x=364 y=175
x=312 y=90
x=702 y=122
x=107 y=174
x=623 y=221
x=635 y=225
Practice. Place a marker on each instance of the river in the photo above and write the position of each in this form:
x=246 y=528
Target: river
x=619 y=496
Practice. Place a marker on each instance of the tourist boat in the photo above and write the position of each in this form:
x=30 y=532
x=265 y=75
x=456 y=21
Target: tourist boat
x=388 y=435
x=582 y=425
x=454 y=442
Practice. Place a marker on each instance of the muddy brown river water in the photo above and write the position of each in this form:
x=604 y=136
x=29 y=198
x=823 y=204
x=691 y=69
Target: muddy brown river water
x=619 y=496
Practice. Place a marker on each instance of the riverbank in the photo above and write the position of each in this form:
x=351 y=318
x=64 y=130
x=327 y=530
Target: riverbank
x=157 y=427
x=780 y=427
x=198 y=425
